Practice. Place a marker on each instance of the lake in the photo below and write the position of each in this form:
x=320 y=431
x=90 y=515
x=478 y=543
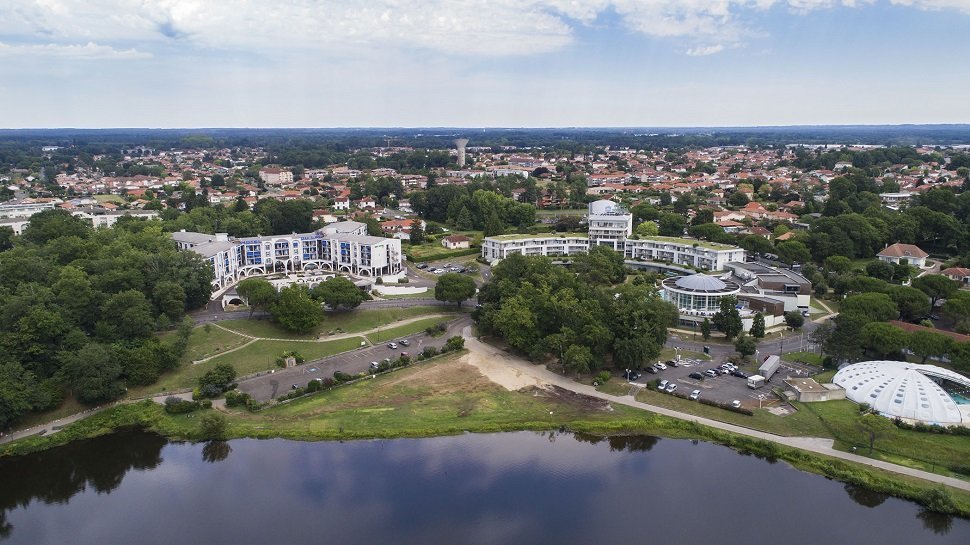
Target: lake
x=137 y=488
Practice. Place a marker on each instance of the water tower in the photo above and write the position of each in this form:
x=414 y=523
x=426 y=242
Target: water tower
x=461 y=143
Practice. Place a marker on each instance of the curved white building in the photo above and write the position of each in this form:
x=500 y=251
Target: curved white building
x=912 y=392
x=697 y=294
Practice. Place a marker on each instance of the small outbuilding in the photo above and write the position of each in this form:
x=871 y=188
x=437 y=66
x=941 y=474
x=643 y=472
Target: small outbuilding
x=456 y=242
x=807 y=390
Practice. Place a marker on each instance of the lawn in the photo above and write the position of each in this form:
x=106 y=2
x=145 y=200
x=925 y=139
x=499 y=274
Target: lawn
x=431 y=251
x=801 y=423
x=927 y=451
x=208 y=341
x=406 y=329
x=346 y=321
x=258 y=356
x=117 y=199
x=809 y=358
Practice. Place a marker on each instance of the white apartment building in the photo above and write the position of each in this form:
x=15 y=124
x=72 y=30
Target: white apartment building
x=24 y=208
x=610 y=225
x=107 y=218
x=340 y=247
x=275 y=176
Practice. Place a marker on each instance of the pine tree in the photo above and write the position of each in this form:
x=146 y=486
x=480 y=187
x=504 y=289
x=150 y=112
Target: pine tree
x=758 y=326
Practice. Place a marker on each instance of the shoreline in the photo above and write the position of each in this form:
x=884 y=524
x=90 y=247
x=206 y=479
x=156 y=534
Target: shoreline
x=151 y=417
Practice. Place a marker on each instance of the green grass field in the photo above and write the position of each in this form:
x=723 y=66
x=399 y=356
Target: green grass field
x=207 y=342
x=346 y=321
x=809 y=358
x=258 y=356
x=117 y=199
x=390 y=333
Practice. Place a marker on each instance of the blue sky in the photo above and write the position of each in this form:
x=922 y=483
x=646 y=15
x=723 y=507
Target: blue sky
x=329 y=63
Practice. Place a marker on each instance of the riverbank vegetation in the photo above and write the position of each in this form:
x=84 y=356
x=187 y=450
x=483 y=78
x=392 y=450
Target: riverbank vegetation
x=580 y=315
x=79 y=308
x=446 y=396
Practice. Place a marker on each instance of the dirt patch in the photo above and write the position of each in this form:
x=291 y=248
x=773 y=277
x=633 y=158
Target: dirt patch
x=568 y=397
x=496 y=367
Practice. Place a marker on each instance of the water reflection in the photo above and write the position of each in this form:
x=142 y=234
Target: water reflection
x=864 y=496
x=216 y=451
x=55 y=476
x=505 y=488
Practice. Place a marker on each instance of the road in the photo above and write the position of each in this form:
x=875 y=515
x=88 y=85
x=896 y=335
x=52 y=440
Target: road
x=269 y=386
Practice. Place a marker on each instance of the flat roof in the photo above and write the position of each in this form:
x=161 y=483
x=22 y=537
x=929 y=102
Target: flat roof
x=539 y=236
x=688 y=242
x=805 y=386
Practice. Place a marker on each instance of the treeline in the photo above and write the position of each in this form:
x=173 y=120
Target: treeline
x=584 y=316
x=818 y=159
x=79 y=308
x=472 y=207
x=268 y=217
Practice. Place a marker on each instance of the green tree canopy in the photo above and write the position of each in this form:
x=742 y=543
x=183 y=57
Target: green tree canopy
x=339 y=292
x=295 y=310
x=454 y=288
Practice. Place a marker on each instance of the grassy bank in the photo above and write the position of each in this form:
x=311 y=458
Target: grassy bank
x=391 y=333
x=445 y=396
x=346 y=321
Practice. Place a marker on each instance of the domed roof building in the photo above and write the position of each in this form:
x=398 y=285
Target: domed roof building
x=915 y=393
x=697 y=294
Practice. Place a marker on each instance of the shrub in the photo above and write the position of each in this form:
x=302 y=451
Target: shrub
x=328 y=382
x=340 y=376
x=313 y=385
x=603 y=377
x=455 y=343
x=212 y=426
x=429 y=352
x=235 y=398
x=281 y=361
x=865 y=408
x=403 y=280
x=176 y=405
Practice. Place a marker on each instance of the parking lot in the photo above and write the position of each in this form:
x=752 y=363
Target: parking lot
x=724 y=388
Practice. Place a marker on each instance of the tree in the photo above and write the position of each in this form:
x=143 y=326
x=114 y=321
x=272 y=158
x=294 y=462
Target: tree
x=170 y=299
x=648 y=229
x=745 y=345
x=339 y=292
x=738 y=199
x=874 y=427
x=6 y=238
x=127 y=315
x=417 y=232
x=493 y=225
x=794 y=319
x=873 y=307
x=881 y=270
x=793 y=251
x=212 y=425
x=758 y=326
x=16 y=392
x=672 y=225
x=957 y=308
x=926 y=344
x=258 y=293
x=912 y=303
x=838 y=264
x=882 y=339
x=728 y=319
x=218 y=379
x=295 y=310
x=706 y=329
x=600 y=266
x=93 y=372
x=936 y=287
x=577 y=359
x=454 y=288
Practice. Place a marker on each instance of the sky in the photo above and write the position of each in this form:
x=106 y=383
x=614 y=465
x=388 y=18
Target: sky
x=482 y=63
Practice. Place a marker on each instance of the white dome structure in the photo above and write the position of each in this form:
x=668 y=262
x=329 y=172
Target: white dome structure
x=700 y=282
x=912 y=392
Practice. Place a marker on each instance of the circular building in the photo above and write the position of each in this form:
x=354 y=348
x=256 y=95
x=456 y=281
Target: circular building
x=698 y=294
x=915 y=393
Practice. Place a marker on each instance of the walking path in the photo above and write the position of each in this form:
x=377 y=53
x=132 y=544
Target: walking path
x=539 y=374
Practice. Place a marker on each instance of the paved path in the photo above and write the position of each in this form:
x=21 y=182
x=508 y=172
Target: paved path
x=812 y=444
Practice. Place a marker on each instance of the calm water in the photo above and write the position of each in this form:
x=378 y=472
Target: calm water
x=502 y=489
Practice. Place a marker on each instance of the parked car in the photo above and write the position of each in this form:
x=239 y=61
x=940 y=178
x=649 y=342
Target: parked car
x=405 y=355
x=696 y=376
x=695 y=394
x=404 y=342
x=294 y=387
x=739 y=374
x=711 y=373
x=736 y=403
x=374 y=366
x=652 y=370
x=671 y=388
x=392 y=346
x=631 y=375
x=672 y=363
x=422 y=265
x=660 y=366
x=663 y=385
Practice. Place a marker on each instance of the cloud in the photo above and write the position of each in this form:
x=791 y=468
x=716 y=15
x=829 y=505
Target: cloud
x=705 y=50
x=89 y=51
x=336 y=27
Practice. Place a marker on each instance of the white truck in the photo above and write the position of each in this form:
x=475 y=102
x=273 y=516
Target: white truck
x=770 y=365
x=756 y=381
